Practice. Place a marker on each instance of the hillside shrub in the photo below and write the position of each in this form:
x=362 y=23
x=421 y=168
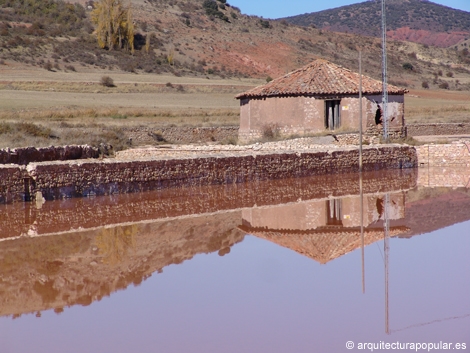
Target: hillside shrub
x=264 y=23
x=408 y=66
x=212 y=10
x=47 y=66
x=425 y=85
x=444 y=85
x=61 y=17
x=107 y=81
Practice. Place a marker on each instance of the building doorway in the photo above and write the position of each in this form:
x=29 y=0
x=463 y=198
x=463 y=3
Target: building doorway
x=332 y=114
x=334 y=212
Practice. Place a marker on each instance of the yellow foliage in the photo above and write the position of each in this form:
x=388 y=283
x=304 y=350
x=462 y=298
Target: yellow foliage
x=115 y=243
x=171 y=56
x=114 y=24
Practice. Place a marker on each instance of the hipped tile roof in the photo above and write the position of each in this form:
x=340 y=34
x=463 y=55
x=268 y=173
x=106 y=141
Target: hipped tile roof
x=320 y=77
x=322 y=245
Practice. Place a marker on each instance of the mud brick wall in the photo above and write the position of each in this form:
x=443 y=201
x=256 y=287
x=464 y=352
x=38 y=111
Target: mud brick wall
x=142 y=136
x=57 y=180
x=456 y=154
x=27 y=155
x=438 y=129
x=12 y=183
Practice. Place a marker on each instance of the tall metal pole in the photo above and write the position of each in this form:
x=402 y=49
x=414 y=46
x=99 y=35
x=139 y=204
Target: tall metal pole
x=360 y=173
x=360 y=110
x=384 y=73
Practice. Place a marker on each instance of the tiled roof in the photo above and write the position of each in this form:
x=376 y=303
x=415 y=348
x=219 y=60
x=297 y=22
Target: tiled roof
x=320 y=77
x=323 y=244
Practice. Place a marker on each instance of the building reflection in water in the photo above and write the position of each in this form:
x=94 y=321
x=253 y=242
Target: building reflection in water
x=78 y=251
x=328 y=228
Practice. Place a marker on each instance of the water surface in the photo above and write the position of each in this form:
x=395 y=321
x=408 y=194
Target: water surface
x=266 y=267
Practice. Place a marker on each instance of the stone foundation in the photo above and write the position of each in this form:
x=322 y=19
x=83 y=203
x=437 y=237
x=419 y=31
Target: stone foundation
x=56 y=180
x=439 y=129
x=455 y=177
x=456 y=154
x=147 y=136
x=26 y=155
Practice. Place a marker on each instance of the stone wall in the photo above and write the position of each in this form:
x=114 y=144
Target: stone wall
x=56 y=180
x=26 y=155
x=456 y=154
x=12 y=183
x=438 y=129
x=182 y=134
x=457 y=177
x=20 y=219
x=303 y=115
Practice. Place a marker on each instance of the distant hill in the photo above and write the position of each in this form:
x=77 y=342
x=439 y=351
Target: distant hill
x=208 y=38
x=419 y=21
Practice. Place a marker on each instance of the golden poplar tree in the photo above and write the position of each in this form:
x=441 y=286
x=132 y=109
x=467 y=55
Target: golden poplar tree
x=114 y=24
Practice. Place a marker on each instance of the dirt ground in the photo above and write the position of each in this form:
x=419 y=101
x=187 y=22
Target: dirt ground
x=73 y=107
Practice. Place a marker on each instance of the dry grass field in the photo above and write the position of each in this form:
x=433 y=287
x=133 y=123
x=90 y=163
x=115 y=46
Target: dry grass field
x=75 y=108
x=41 y=108
x=442 y=106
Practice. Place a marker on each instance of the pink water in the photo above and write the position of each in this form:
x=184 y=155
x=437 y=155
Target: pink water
x=269 y=267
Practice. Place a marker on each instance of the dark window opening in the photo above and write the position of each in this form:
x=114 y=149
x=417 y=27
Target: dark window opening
x=332 y=114
x=334 y=213
x=378 y=115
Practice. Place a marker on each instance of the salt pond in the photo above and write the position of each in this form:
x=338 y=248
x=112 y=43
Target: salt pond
x=275 y=266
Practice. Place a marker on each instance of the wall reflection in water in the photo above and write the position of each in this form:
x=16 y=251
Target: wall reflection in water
x=75 y=252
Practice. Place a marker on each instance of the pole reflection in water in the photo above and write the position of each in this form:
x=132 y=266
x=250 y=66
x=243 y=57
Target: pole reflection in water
x=386 y=259
x=72 y=254
x=362 y=234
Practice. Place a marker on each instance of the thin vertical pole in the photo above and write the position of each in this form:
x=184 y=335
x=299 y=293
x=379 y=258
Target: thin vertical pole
x=362 y=233
x=360 y=110
x=386 y=260
x=384 y=73
x=360 y=174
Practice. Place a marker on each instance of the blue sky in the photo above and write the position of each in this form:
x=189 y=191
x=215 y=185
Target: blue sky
x=283 y=8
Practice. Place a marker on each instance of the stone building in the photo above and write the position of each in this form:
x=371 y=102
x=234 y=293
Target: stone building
x=317 y=97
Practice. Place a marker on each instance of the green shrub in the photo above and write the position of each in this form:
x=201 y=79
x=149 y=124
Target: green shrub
x=264 y=23
x=408 y=66
x=212 y=9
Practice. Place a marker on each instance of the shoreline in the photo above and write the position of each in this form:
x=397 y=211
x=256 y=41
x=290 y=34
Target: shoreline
x=136 y=172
